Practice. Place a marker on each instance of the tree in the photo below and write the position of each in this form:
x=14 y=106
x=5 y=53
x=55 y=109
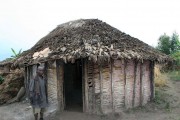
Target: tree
x=176 y=56
x=175 y=44
x=15 y=54
x=164 y=44
x=169 y=45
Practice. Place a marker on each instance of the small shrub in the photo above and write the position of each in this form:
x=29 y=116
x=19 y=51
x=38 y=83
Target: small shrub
x=159 y=97
x=1 y=79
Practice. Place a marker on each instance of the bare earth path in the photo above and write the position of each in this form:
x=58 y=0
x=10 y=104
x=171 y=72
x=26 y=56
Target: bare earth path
x=22 y=111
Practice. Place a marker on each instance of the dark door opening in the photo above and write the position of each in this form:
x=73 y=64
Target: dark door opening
x=73 y=86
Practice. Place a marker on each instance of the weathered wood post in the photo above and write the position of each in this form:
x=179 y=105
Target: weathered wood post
x=152 y=86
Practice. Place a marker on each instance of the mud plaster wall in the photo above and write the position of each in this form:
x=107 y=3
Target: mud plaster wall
x=98 y=86
x=60 y=77
x=116 y=85
x=97 y=89
x=52 y=86
x=106 y=98
x=90 y=86
x=129 y=83
x=137 y=85
x=108 y=87
x=146 y=89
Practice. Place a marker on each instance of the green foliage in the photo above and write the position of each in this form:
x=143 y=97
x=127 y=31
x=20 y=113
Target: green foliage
x=15 y=54
x=176 y=56
x=169 y=45
x=164 y=44
x=1 y=79
x=175 y=44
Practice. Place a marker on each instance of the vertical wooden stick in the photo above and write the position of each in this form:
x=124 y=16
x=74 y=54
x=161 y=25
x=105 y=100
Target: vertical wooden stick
x=152 y=80
x=134 y=87
x=125 y=64
x=86 y=86
x=141 y=93
x=112 y=85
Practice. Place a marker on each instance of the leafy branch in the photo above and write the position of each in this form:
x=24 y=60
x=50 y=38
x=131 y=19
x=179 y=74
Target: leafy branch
x=15 y=54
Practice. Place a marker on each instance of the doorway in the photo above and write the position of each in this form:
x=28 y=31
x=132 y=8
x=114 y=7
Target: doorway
x=73 y=86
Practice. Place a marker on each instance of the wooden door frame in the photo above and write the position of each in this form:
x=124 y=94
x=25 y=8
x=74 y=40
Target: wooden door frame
x=82 y=61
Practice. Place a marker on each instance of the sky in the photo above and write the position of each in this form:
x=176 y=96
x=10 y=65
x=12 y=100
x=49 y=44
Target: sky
x=24 y=22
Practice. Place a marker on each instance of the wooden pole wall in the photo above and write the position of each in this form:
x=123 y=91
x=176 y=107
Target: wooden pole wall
x=86 y=87
x=135 y=80
x=141 y=87
x=152 y=80
x=97 y=89
x=146 y=91
x=129 y=84
x=112 y=85
x=83 y=85
x=118 y=85
x=106 y=88
x=125 y=65
x=101 y=85
x=52 y=85
x=137 y=84
x=109 y=87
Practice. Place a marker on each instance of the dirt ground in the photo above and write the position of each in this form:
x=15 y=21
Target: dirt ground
x=149 y=112
x=152 y=111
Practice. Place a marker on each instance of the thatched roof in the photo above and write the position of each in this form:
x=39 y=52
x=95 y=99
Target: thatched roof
x=92 y=39
x=8 y=61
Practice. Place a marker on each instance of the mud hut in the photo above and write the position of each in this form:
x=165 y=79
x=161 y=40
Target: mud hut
x=93 y=67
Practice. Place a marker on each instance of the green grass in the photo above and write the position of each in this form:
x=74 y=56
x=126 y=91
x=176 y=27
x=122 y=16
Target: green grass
x=159 y=97
x=161 y=100
x=174 y=75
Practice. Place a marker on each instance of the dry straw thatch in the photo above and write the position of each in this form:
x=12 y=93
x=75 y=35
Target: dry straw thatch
x=92 y=39
x=6 y=62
